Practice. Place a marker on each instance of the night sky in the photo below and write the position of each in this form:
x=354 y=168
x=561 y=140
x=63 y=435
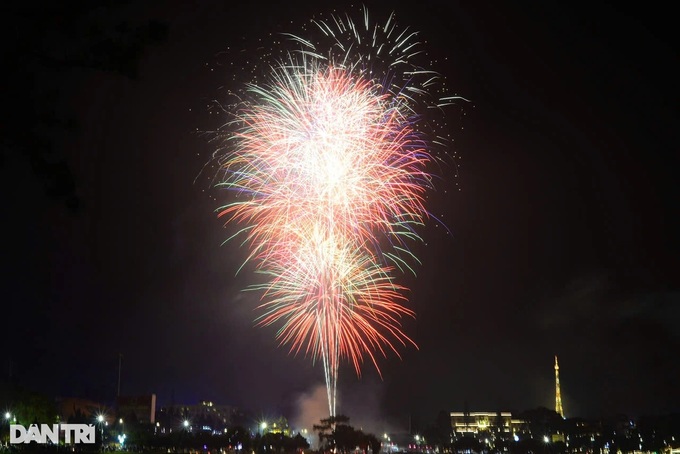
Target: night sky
x=563 y=212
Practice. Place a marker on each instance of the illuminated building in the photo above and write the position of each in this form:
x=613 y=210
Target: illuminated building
x=279 y=426
x=483 y=424
x=205 y=416
x=558 y=396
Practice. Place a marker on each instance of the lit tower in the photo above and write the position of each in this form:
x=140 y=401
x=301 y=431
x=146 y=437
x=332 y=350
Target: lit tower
x=558 y=396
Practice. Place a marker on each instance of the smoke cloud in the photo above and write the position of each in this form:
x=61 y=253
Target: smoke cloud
x=361 y=405
x=311 y=407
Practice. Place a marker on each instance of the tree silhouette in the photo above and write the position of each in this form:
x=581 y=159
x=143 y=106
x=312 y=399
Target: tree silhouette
x=543 y=421
x=335 y=434
x=467 y=444
x=327 y=427
x=32 y=408
x=373 y=443
x=299 y=443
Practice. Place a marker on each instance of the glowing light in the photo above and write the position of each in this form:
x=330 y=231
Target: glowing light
x=329 y=173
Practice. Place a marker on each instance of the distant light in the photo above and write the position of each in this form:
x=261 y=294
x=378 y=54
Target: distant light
x=546 y=439
x=186 y=423
x=120 y=420
x=516 y=437
x=7 y=415
x=100 y=418
x=263 y=425
x=417 y=437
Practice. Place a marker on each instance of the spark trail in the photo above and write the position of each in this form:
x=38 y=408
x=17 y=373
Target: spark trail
x=330 y=177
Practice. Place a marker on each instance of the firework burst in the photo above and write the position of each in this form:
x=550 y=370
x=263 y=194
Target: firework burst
x=330 y=179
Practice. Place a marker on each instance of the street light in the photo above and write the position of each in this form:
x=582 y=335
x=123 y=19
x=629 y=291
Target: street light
x=7 y=416
x=263 y=426
x=100 y=420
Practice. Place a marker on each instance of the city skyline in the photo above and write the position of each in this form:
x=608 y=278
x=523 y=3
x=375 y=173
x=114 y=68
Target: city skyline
x=558 y=232
x=114 y=403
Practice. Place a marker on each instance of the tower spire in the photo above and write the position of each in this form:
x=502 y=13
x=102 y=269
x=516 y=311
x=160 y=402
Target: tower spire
x=558 y=396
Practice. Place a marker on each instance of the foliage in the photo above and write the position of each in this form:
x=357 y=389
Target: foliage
x=326 y=428
x=336 y=435
x=29 y=407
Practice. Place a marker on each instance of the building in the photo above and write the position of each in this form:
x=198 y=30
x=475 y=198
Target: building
x=141 y=409
x=206 y=416
x=485 y=426
x=76 y=409
x=278 y=426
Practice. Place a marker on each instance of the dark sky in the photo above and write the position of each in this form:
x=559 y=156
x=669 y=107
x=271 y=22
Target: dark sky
x=563 y=215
